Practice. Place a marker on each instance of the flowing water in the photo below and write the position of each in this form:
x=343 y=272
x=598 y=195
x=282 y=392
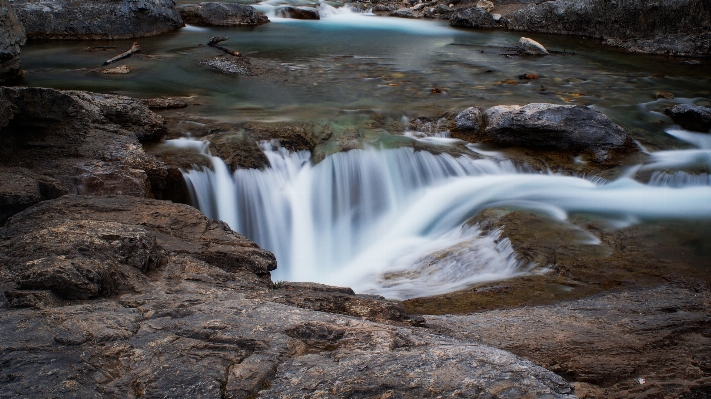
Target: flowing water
x=392 y=220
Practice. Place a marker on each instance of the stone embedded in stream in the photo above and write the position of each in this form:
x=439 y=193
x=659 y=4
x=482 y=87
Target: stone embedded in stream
x=97 y=19
x=230 y=65
x=691 y=117
x=221 y=14
x=531 y=47
x=564 y=127
x=471 y=119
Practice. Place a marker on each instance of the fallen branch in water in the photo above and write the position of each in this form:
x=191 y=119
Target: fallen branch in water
x=134 y=49
x=217 y=39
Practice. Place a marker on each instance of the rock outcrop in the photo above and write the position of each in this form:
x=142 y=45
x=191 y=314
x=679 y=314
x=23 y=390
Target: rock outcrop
x=98 y=19
x=84 y=143
x=187 y=310
x=221 y=14
x=565 y=127
x=675 y=27
x=12 y=36
x=691 y=117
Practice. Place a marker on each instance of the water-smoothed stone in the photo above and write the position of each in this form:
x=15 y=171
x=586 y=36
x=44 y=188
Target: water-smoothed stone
x=676 y=27
x=221 y=14
x=89 y=143
x=566 y=127
x=164 y=103
x=297 y=13
x=531 y=47
x=239 y=66
x=473 y=17
x=691 y=117
x=12 y=36
x=98 y=19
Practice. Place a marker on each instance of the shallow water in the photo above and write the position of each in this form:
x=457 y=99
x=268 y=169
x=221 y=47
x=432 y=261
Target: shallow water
x=389 y=221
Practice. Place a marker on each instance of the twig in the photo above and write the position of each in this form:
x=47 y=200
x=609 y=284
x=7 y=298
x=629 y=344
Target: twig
x=217 y=39
x=134 y=49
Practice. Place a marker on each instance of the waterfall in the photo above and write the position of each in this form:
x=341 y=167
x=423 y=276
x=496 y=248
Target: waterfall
x=391 y=221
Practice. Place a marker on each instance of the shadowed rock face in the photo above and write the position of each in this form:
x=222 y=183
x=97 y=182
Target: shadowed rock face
x=12 y=36
x=77 y=142
x=474 y=17
x=221 y=14
x=98 y=19
x=675 y=27
x=691 y=117
x=297 y=13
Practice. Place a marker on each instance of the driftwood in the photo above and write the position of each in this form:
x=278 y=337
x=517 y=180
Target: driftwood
x=217 y=39
x=134 y=49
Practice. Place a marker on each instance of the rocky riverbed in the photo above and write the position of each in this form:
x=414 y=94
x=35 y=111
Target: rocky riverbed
x=112 y=286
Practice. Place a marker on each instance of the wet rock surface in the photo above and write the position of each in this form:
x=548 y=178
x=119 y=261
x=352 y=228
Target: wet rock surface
x=87 y=143
x=221 y=14
x=102 y=19
x=12 y=36
x=676 y=27
x=691 y=117
x=240 y=66
x=203 y=321
x=474 y=17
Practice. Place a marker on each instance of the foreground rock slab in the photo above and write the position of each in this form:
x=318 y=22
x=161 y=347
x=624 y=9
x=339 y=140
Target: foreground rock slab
x=100 y=19
x=200 y=319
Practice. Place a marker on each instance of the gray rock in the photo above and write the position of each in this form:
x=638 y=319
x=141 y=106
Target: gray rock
x=97 y=19
x=297 y=13
x=164 y=103
x=566 y=127
x=531 y=47
x=691 y=117
x=12 y=36
x=473 y=17
x=675 y=27
x=230 y=66
x=221 y=14
x=403 y=13
x=471 y=119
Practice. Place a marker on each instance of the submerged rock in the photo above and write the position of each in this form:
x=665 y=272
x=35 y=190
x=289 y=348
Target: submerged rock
x=98 y=19
x=221 y=14
x=230 y=66
x=12 y=36
x=297 y=13
x=474 y=17
x=675 y=27
x=566 y=127
x=531 y=47
x=691 y=117
x=119 y=70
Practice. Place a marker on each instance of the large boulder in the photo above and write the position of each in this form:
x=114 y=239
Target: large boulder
x=12 y=36
x=97 y=19
x=564 y=127
x=691 y=117
x=221 y=14
x=676 y=27
x=473 y=17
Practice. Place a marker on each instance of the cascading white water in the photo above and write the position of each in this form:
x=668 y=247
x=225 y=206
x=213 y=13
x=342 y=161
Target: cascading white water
x=390 y=221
